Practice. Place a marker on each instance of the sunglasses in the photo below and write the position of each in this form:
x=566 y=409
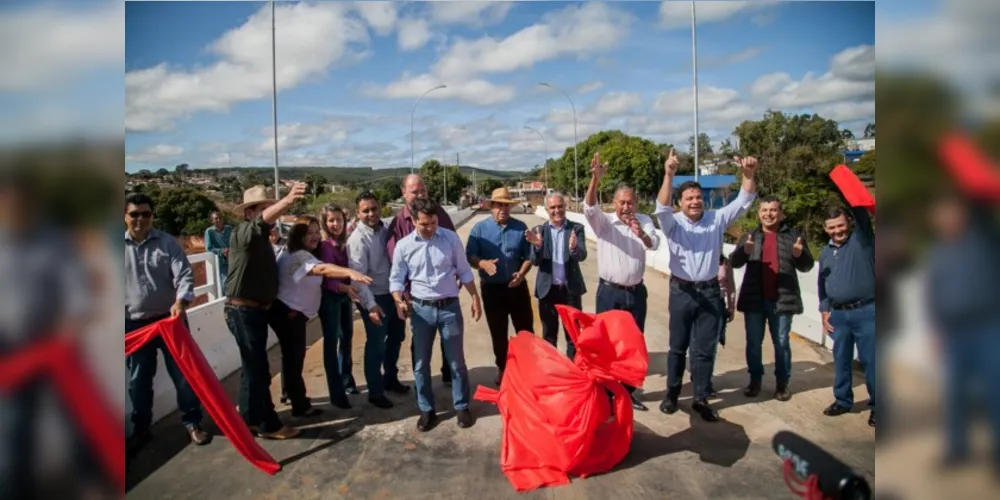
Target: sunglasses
x=145 y=214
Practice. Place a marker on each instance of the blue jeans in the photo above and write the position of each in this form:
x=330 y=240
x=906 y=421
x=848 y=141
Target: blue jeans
x=971 y=369
x=382 y=346
x=851 y=328
x=781 y=328
x=142 y=370
x=337 y=320
x=426 y=321
x=249 y=327
x=695 y=318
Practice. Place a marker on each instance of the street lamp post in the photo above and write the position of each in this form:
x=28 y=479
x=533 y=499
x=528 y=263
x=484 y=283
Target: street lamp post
x=694 y=71
x=545 y=160
x=576 y=140
x=274 y=99
x=412 y=155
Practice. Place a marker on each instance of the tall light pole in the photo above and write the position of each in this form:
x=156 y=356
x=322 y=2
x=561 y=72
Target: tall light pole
x=412 y=156
x=694 y=70
x=545 y=160
x=576 y=140
x=274 y=100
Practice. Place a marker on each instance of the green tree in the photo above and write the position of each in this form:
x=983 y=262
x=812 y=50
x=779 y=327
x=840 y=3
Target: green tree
x=796 y=153
x=387 y=191
x=866 y=165
x=486 y=186
x=870 y=130
x=182 y=169
x=633 y=160
x=183 y=210
x=847 y=134
x=162 y=172
x=704 y=145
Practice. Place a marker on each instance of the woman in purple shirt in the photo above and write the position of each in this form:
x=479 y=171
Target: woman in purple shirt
x=336 y=314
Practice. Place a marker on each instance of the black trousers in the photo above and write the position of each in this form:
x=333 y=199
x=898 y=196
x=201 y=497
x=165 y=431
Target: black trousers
x=695 y=324
x=290 y=328
x=503 y=305
x=550 y=318
x=633 y=300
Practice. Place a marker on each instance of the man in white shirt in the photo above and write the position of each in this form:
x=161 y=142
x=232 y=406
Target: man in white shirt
x=694 y=239
x=622 y=240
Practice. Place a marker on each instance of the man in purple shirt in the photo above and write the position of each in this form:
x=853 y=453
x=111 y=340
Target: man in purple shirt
x=401 y=227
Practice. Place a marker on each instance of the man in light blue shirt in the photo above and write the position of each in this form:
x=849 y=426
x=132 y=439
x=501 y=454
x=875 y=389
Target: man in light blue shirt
x=217 y=242
x=499 y=249
x=694 y=239
x=433 y=261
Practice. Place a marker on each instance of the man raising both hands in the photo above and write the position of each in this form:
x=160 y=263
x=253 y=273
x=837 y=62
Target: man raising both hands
x=694 y=239
x=622 y=240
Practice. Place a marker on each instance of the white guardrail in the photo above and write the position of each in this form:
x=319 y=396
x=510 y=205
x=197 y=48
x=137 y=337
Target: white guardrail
x=208 y=327
x=909 y=347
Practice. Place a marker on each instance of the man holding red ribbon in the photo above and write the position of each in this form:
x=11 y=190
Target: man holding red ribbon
x=158 y=284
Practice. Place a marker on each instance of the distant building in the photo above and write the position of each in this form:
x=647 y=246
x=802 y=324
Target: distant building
x=718 y=190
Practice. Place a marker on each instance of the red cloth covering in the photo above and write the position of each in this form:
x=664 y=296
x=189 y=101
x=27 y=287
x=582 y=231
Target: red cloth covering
x=206 y=386
x=853 y=189
x=557 y=418
x=59 y=360
x=975 y=175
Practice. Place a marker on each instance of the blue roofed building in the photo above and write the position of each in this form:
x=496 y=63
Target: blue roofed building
x=717 y=189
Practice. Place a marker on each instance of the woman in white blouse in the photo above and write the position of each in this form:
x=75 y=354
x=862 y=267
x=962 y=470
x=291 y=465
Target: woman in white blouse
x=300 y=278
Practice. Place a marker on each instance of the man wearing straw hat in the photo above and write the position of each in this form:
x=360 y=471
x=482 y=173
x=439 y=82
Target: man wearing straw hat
x=251 y=287
x=499 y=249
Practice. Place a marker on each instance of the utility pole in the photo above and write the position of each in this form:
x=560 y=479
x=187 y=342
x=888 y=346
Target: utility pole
x=274 y=101
x=694 y=69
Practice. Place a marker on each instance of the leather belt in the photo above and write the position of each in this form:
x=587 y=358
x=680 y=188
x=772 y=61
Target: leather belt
x=437 y=302
x=695 y=284
x=852 y=305
x=630 y=288
x=232 y=301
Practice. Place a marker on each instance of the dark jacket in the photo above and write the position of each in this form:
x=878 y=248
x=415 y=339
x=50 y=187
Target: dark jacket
x=542 y=258
x=751 y=294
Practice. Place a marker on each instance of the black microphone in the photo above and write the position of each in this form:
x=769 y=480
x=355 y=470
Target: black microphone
x=836 y=480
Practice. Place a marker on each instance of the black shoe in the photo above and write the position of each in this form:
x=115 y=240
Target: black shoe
x=343 y=405
x=465 y=419
x=380 y=402
x=669 y=406
x=706 y=411
x=712 y=393
x=428 y=420
x=138 y=440
x=835 y=410
x=783 y=394
x=285 y=400
x=309 y=411
x=637 y=404
x=397 y=387
x=752 y=390
x=871 y=420
x=353 y=391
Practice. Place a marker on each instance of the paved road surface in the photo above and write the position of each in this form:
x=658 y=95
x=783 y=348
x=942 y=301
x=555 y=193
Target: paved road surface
x=372 y=453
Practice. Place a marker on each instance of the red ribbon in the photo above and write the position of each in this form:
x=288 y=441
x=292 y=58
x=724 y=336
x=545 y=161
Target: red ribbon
x=59 y=360
x=854 y=191
x=971 y=170
x=206 y=386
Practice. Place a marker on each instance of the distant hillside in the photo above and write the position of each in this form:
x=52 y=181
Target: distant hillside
x=349 y=175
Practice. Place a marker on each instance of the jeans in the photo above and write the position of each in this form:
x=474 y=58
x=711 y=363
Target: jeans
x=781 y=328
x=249 y=327
x=290 y=327
x=550 y=317
x=850 y=328
x=695 y=317
x=426 y=321
x=382 y=346
x=337 y=320
x=501 y=302
x=612 y=298
x=971 y=369
x=142 y=369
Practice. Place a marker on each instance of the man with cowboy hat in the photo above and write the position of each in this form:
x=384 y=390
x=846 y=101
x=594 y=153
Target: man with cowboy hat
x=251 y=287
x=499 y=249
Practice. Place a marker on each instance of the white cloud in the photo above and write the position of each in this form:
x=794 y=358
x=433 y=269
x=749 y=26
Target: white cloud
x=310 y=39
x=413 y=34
x=293 y=136
x=381 y=16
x=674 y=15
x=617 y=103
x=474 y=14
x=476 y=91
x=851 y=77
x=44 y=45
x=158 y=153
x=590 y=87
x=681 y=101
x=577 y=29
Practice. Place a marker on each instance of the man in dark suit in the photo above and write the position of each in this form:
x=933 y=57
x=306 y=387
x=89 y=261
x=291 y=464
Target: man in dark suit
x=557 y=249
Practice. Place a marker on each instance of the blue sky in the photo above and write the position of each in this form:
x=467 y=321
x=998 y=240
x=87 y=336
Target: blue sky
x=198 y=76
